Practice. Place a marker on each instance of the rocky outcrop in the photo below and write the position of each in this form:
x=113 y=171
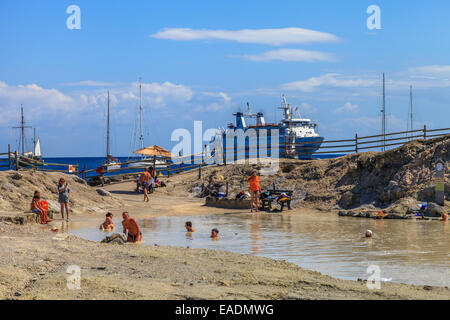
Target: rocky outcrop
x=378 y=179
x=116 y=238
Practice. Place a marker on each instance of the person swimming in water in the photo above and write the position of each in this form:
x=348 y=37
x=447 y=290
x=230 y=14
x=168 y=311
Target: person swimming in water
x=131 y=225
x=188 y=226
x=108 y=225
x=215 y=234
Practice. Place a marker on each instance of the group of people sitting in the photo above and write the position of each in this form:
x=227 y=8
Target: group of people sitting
x=132 y=231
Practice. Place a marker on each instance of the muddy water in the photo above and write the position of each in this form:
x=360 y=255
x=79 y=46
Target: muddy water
x=406 y=251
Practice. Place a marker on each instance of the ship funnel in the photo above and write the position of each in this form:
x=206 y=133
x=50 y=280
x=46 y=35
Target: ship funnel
x=260 y=119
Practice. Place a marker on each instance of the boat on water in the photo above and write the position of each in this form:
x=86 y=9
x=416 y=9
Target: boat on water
x=148 y=156
x=298 y=137
x=30 y=158
x=110 y=162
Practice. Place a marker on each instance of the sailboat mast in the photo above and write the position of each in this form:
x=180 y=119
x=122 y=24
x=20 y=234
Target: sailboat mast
x=34 y=139
x=383 y=125
x=107 y=129
x=410 y=119
x=141 y=136
x=22 y=126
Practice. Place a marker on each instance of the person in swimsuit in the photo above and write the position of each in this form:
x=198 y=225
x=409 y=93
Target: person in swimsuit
x=131 y=225
x=255 y=189
x=63 y=191
x=108 y=225
x=188 y=226
x=37 y=208
x=144 y=180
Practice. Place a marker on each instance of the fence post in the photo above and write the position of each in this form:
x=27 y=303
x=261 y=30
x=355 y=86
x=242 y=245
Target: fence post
x=425 y=131
x=9 y=156
x=356 y=143
x=200 y=171
x=17 y=160
x=84 y=171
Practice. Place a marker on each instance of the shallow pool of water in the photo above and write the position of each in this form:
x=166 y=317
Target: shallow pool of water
x=406 y=251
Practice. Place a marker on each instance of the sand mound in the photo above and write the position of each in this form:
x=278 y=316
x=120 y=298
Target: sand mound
x=371 y=179
x=17 y=189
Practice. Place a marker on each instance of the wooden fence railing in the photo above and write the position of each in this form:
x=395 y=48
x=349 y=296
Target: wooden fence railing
x=5 y=159
x=184 y=163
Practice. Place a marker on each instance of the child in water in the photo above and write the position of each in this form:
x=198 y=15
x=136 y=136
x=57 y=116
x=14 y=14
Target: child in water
x=188 y=226
x=108 y=225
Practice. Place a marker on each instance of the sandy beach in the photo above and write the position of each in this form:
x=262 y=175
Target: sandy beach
x=34 y=261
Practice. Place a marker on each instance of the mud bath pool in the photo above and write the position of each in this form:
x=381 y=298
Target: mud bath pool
x=410 y=252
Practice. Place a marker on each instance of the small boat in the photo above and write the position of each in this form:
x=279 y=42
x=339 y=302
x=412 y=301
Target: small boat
x=110 y=163
x=32 y=158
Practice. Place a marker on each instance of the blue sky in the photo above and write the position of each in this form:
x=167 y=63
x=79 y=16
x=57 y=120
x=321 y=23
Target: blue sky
x=202 y=60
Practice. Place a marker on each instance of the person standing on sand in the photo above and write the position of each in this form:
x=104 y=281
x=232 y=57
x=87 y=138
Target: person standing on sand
x=63 y=191
x=144 y=180
x=255 y=189
x=131 y=225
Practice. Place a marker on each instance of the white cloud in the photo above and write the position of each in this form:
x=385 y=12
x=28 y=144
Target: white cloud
x=438 y=70
x=89 y=104
x=289 y=55
x=330 y=80
x=307 y=109
x=276 y=37
x=347 y=108
x=91 y=83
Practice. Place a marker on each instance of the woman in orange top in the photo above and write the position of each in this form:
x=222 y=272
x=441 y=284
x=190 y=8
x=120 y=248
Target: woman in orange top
x=255 y=189
x=37 y=207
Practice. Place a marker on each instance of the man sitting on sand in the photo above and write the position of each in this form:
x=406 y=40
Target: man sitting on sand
x=215 y=234
x=108 y=225
x=131 y=225
x=189 y=227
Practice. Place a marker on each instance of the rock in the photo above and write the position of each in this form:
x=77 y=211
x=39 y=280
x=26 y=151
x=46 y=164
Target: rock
x=342 y=213
x=79 y=180
x=434 y=210
x=103 y=192
x=116 y=238
x=346 y=200
x=16 y=176
x=404 y=206
x=7 y=186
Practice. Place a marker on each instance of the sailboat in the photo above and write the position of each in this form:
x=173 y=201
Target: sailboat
x=31 y=158
x=110 y=163
x=145 y=161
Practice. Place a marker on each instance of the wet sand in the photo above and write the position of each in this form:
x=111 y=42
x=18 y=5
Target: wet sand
x=34 y=260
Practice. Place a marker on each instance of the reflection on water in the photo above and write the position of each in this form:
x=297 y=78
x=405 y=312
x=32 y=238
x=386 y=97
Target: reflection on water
x=406 y=251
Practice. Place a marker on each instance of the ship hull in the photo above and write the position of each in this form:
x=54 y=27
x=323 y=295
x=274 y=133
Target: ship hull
x=303 y=148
